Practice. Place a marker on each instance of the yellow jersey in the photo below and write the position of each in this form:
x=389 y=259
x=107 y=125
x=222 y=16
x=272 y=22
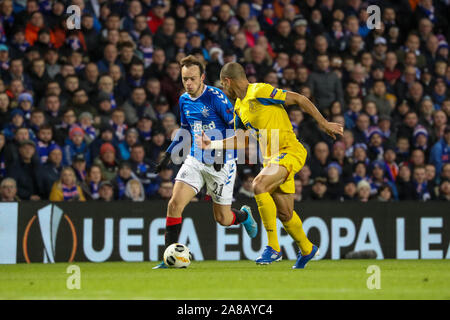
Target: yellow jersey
x=262 y=110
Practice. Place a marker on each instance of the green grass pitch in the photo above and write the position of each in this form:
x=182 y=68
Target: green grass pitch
x=324 y=279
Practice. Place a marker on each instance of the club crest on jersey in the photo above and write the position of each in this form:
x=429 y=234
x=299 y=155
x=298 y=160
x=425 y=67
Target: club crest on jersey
x=205 y=112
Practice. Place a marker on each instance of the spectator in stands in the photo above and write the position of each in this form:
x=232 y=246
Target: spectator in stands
x=375 y=147
x=131 y=138
x=67 y=189
x=319 y=189
x=363 y=191
x=106 y=135
x=124 y=175
x=378 y=95
x=298 y=195
x=245 y=192
x=361 y=130
x=384 y=194
x=444 y=191
x=360 y=172
x=156 y=145
x=85 y=122
x=325 y=85
x=27 y=172
x=319 y=160
x=141 y=167
x=8 y=190
x=423 y=191
x=91 y=186
x=75 y=145
x=360 y=153
x=44 y=142
x=107 y=161
x=335 y=186
x=106 y=191
x=349 y=191
x=137 y=106
x=440 y=152
x=134 y=191
x=17 y=121
x=378 y=178
x=79 y=167
x=165 y=190
x=52 y=168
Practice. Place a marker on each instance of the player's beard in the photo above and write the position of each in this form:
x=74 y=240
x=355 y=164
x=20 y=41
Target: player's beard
x=197 y=92
x=229 y=93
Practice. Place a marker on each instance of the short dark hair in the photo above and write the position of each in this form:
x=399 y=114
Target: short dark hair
x=46 y=126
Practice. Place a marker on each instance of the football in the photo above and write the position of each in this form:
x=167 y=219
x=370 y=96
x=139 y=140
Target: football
x=177 y=255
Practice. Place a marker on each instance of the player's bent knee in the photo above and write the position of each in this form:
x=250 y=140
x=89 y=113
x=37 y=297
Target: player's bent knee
x=259 y=186
x=175 y=208
x=284 y=216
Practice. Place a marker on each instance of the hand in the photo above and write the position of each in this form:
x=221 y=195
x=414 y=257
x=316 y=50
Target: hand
x=332 y=129
x=163 y=163
x=203 y=142
x=35 y=197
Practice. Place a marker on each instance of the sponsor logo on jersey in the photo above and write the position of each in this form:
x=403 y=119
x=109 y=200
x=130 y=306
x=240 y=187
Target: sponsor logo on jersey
x=198 y=126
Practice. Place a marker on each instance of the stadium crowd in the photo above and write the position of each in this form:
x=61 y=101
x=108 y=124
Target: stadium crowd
x=87 y=112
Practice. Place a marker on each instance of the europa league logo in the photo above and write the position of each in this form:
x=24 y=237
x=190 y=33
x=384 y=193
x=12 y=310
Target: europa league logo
x=49 y=219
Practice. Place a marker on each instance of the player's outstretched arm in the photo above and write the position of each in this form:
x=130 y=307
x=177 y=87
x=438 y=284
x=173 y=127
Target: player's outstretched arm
x=331 y=128
x=238 y=141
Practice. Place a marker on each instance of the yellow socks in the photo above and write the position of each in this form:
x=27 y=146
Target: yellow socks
x=295 y=229
x=268 y=213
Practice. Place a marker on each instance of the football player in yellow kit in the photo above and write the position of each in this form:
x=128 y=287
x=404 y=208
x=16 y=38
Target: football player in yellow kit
x=260 y=107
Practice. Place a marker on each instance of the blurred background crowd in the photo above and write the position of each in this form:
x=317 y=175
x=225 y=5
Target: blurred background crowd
x=87 y=112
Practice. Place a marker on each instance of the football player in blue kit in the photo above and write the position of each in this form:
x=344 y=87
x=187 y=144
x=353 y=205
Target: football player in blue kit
x=203 y=108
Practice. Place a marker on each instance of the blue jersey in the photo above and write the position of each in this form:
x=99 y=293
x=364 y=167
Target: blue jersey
x=212 y=113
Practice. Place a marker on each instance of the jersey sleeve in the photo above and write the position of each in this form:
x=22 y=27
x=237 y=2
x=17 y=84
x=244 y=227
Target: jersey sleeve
x=223 y=107
x=269 y=95
x=238 y=124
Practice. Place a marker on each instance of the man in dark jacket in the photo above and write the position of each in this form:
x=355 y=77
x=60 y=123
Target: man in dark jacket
x=325 y=85
x=52 y=168
x=27 y=172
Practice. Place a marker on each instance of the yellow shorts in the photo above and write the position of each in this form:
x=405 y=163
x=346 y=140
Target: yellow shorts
x=293 y=162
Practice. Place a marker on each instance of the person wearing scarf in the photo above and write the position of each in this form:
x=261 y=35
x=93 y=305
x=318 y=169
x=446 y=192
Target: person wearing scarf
x=421 y=189
x=118 y=124
x=146 y=48
x=85 y=122
x=378 y=178
x=66 y=189
x=79 y=167
x=375 y=150
x=420 y=139
x=391 y=166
